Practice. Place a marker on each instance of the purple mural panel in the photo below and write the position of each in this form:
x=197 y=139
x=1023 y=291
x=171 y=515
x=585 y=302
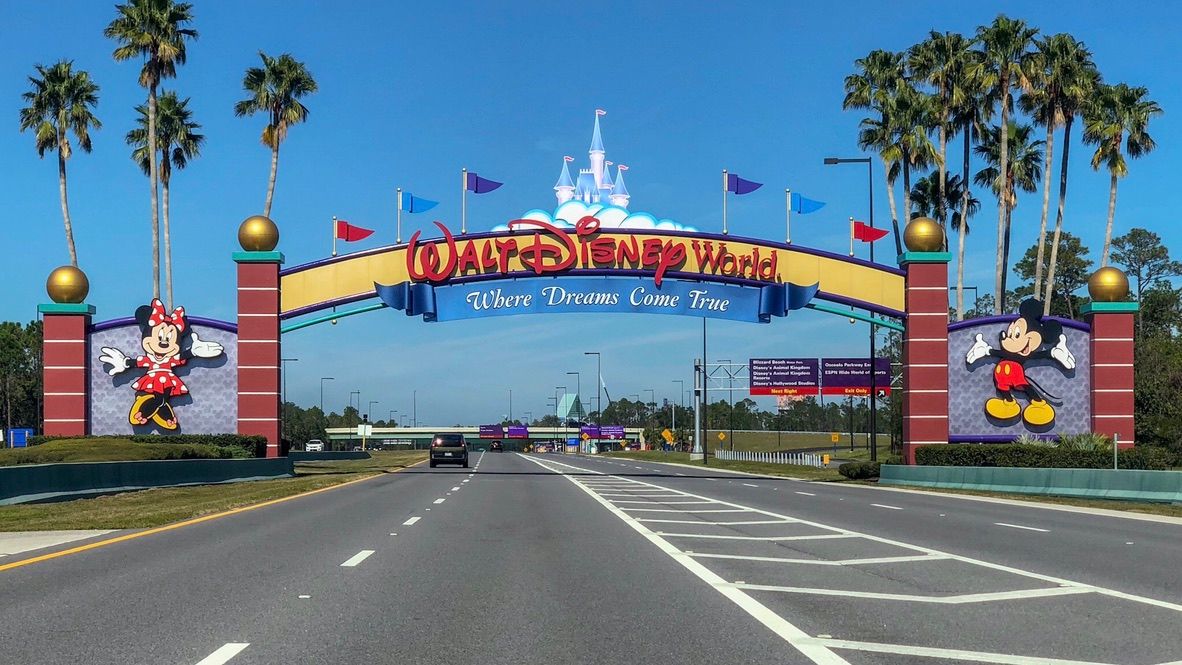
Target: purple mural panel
x=971 y=385
x=518 y=432
x=851 y=376
x=591 y=431
x=613 y=432
x=210 y=407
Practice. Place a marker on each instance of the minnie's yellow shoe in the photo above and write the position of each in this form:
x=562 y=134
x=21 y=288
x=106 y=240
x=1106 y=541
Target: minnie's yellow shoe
x=1002 y=409
x=135 y=410
x=1039 y=413
x=165 y=417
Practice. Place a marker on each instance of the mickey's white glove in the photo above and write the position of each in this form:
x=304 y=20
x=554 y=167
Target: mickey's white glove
x=116 y=359
x=978 y=350
x=203 y=349
x=1061 y=353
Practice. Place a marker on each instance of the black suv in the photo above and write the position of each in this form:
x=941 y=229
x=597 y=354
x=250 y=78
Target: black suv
x=496 y=447
x=449 y=449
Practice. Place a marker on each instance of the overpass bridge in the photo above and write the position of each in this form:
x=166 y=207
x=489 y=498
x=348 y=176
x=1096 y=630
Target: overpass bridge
x=344 y=438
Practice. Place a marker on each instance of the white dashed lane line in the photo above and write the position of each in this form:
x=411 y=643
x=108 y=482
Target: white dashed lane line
x=352 y=561
x=457 y=488
x=750 y=485
x=806 y=493
x=1026 y=528
x=438 y=501
x=883 y=505
x=224 y=653
x=411 y=521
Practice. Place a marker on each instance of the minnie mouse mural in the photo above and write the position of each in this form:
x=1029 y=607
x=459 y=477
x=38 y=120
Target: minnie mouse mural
x=163 y=341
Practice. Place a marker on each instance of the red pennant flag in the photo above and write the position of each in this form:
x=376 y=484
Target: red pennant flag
x=351 y=233
x=868 y=234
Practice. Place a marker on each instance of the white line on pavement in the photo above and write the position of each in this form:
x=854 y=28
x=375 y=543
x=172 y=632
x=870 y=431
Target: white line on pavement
x=456 y=489
x=820 y=562
x=686 y=512
x=810 y=493
x=646 y=519
x=224 y=653
x=939 y=600
x=411 y=521
x=883 y=505
x=750 y=485
x=822 y=536
x=438 y=501
x=946 y=654
x=1019 y=526
x=357 y=558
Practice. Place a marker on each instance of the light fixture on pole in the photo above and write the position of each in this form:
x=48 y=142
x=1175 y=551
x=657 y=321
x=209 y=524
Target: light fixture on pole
x=873 y=351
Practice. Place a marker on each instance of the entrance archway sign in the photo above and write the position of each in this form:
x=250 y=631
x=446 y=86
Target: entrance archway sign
x=536 y=267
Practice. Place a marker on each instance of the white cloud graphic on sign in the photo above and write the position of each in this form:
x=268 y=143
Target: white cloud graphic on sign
x=609 y=216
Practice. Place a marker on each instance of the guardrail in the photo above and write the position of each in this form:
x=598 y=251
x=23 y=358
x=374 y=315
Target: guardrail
x=798 y=459
x=28 y=483
x=1125 y=484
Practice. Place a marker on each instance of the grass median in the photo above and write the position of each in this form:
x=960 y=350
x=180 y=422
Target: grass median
x=785 y=470
x=159 y=506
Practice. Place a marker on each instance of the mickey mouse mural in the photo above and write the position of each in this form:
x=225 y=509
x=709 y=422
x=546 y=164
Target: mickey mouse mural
x=163 y=339
x=1027 y=338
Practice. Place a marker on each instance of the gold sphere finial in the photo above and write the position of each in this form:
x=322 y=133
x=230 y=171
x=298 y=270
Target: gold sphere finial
x=67 y=285
x=1108 y=284
x=258 y=234
x=923 y=234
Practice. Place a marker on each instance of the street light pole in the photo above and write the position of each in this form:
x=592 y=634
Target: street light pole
x=414 y=409
x=873 y=327
x=557 y=401
x=598 y=386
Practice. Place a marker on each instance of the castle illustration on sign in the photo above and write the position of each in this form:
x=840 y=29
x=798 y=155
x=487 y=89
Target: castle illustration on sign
x=595 y=184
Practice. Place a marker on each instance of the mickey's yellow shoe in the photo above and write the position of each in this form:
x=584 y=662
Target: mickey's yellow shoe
x=1039 y=413
x=1002 y=409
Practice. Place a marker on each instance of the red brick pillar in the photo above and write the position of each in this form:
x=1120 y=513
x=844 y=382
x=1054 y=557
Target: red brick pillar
x=65 y=350
x=1112 y=368
x=258 y=346
x=925 y=351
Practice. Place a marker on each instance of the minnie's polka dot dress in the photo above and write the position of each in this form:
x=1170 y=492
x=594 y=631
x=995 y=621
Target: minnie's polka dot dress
x=160 y=377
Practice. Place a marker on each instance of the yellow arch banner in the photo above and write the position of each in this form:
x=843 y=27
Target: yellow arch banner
x=586 y=250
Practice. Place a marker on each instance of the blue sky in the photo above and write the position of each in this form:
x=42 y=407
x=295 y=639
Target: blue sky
x=412 y=92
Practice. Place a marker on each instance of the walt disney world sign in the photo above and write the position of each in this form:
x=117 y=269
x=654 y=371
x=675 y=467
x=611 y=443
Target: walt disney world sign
x=535 y=266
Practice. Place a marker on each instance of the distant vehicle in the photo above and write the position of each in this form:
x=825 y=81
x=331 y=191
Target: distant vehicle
x=496 y=447
x=314 y=446
x=449 y=449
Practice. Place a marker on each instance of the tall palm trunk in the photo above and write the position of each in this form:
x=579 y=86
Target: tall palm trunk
x=153 y=176
x=1108 y=228
x=1046 y=205
x=271 y=181
x=999 y=300
x=61 y=186
x=165 y=176
x=906 y=189
x=890 y=189
x=1005 y=249
x=964 y=216
x=1051 y=263
x=942 y=206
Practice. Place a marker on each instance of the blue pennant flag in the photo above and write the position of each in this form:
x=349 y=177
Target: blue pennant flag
x=740 y=186
x=414 y=299
x=476 y=184
x=780 y=299
x=412 y=203
x=804 y=206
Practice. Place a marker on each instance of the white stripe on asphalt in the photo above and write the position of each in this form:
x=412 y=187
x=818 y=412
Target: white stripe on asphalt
x=1019 y=526
x=411 y=521
x=946 y=654
x=438 y=501
x=687 y=512
x=456 y=489
x=810 y=493
x=820 y=562
x=464 y=480
x=823 y=536
x=750 y=485
x=883 y=505
x=224 y=653
x=962 y=599
x=714 y=523
x=357 y=558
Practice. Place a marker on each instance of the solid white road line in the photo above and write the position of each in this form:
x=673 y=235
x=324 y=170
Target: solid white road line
x=669 y=503
x=438 y=501
x=687 y=512
x=357 y=558
x=945 y=654
x=411 y=521
x=883 y=505
x=714 y=523
x=224 y=653
x=962 y=599
x=823 y=536
x=1019 y=526
x=821 y=562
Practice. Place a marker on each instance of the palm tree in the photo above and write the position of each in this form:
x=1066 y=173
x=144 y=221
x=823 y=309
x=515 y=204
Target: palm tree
x=179 y=142
x=1005 y=48
x=970 y=112
x=1119 y=116
x=61 y=100
x=913 y=116
x=155 y=31
x=878 y=78
x=1023 y=170
x=276 y=89
x=926 y=194
x=941 y=60
x=1063 y=73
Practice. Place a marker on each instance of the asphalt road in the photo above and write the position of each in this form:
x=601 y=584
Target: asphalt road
x=565 y=559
